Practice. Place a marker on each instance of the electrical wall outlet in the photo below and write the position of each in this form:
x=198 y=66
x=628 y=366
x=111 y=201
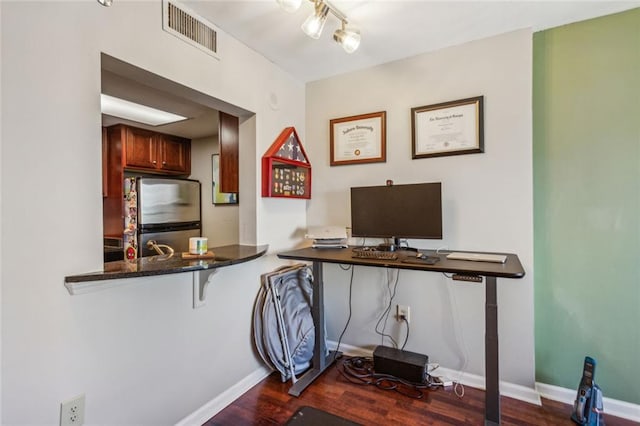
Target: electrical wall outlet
x=402 y=312
x=72 y=412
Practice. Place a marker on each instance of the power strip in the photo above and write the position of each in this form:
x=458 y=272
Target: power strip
x=470 y=278
x=444 y=381
x=406 y=365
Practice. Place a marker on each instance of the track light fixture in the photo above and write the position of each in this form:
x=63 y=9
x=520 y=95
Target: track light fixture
x=348 y=38
x=106 y=3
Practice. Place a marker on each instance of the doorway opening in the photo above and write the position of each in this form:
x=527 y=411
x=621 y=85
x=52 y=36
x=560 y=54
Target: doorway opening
x=199 y=132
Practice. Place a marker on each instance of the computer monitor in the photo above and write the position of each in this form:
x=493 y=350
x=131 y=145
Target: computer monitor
x=397 y=212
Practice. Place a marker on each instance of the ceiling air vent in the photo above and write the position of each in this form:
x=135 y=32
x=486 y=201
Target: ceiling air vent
x=178 y=20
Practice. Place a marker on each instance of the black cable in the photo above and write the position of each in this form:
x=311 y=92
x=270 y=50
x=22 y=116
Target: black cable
x=386 y=312
x=360 y=371
x=335 y=354
x=395 y=288
x=407 y=337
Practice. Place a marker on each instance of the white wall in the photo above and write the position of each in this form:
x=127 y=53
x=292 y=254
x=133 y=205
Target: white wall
x=487 y=199
x=1 y=219
x=140 y=352
x=219 y=222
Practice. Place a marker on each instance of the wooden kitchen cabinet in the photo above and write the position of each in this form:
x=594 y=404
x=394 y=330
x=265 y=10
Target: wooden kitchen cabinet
x=174 y=154
x=152 y=152
x=229 y=140
x=139 y=146
x=105 y=163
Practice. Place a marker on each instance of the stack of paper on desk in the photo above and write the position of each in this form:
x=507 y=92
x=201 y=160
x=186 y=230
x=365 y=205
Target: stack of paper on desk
x=327 y=236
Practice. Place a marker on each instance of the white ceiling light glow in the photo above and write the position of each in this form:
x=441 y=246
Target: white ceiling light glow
x=348 y=38
x=117 y=107
x=289 y=5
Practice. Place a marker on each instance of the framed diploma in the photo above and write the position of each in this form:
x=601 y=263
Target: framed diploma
x=448 y=128
x=359 y=139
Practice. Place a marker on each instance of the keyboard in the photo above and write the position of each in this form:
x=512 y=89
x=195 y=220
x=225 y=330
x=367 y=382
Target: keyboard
x=478 y=257
x=374 y=254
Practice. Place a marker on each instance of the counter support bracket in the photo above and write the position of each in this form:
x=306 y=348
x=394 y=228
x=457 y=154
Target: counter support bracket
x=201 y=279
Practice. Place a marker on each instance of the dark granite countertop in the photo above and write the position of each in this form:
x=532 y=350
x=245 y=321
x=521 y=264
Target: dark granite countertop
x=160 y=265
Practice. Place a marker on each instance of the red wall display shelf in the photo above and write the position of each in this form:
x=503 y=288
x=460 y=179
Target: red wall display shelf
x=286 y=171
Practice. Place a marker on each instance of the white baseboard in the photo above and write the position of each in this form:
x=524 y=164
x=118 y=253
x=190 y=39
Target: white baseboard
x=217 y=404
x=348 y=349
x=613 y=407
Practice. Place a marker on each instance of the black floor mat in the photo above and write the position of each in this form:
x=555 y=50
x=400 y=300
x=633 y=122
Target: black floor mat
x=309 y=416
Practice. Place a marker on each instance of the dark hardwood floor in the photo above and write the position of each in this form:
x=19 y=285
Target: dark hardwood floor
x=268 y=403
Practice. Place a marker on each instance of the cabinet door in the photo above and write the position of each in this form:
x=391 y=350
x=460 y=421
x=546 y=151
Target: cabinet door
x=105 y=163
x=112 y=203
x=141 y=149
x=174 y=154
x=228 y=134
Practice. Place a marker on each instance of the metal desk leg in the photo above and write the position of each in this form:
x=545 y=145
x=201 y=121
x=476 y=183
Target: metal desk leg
x=492 y=393
x=320 y=361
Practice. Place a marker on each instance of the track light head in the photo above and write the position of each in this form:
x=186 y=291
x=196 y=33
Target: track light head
x=106 y=3
x=289 y=5
x=348 y=38
x=315 y=23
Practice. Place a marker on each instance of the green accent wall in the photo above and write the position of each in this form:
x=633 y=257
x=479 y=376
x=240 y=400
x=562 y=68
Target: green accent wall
x=586 y=162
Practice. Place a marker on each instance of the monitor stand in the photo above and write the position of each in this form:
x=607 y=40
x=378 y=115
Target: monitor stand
x=394 y=246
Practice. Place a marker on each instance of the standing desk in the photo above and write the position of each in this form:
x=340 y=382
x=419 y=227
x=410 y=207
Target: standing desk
x=512 y=268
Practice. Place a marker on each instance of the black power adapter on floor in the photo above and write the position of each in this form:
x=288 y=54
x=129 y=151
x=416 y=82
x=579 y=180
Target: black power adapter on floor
x=405 y=365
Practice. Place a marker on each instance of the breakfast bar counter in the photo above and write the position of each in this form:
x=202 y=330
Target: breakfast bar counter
x=164 y=264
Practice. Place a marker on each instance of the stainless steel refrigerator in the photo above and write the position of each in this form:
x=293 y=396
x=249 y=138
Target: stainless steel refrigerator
x=161 y=209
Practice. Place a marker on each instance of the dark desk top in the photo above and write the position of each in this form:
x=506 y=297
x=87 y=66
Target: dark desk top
x=157 y=265
x=512 y=268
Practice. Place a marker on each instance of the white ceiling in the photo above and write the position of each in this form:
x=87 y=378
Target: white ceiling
x=391 y=29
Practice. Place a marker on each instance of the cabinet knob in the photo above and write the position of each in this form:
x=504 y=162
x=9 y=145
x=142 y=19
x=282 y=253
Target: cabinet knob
x=164 y=163
x=154 y=161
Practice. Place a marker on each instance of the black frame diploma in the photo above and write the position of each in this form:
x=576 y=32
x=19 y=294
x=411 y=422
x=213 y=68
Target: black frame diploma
x=448 y=128
x=359 y=139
